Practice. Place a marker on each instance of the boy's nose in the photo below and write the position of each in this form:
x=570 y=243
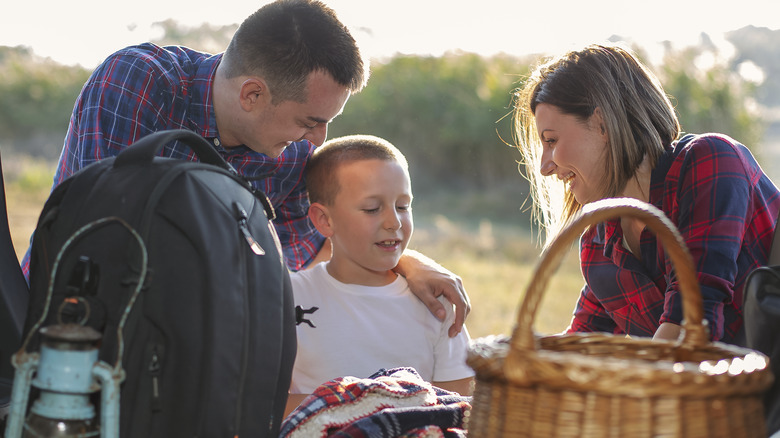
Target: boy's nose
x=392 y=221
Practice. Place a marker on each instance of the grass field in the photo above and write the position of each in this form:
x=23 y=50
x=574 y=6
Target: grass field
x=495 y=261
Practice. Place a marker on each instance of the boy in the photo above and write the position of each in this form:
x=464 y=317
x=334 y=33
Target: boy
x=358 y=315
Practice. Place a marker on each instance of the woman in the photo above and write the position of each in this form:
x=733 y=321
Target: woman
x=596 y=123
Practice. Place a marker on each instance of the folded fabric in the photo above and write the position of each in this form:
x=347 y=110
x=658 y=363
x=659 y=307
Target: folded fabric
x=390 y=403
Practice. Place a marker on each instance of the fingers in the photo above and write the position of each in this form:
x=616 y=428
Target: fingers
x=428 y=280
x=434 y=305
x=460 y=299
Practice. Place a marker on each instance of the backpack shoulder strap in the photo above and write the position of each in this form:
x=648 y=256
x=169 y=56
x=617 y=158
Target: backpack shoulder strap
x=14 y=296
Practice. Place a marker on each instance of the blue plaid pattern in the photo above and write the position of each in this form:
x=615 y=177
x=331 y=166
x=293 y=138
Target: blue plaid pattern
x=147 y=88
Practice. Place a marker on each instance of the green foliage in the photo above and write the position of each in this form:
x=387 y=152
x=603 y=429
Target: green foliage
x=36 y=98
x=28 y=175
x=447 y=114
x=206 y=38
x=760 y=47
x=714 y=99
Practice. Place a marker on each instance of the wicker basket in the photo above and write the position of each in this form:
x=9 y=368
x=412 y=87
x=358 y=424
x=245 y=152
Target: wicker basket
x=604 y=385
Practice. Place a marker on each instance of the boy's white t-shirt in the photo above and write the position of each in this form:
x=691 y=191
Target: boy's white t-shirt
x=359 y=330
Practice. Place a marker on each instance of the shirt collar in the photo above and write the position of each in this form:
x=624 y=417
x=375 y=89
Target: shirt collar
x=202 y=118
x=658 y=175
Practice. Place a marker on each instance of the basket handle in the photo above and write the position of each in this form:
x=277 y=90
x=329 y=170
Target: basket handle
x=695 y=331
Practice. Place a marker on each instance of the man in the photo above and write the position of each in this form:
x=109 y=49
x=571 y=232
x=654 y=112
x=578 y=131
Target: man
x=265 y=104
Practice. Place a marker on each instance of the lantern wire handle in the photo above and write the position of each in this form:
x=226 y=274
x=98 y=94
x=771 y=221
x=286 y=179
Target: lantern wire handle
x=139 y=286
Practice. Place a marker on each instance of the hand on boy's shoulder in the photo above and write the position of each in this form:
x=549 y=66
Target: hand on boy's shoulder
x=428 y=280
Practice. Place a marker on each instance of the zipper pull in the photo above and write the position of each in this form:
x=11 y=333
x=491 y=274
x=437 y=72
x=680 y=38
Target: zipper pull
x=244 y=228
x=154 y=370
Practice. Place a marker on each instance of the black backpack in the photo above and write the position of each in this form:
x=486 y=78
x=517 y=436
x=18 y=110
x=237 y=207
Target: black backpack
x=209 y=342
x=761 y=312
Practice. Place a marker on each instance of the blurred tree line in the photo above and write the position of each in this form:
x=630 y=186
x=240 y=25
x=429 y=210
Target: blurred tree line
x=448 y=114
x=36 y=99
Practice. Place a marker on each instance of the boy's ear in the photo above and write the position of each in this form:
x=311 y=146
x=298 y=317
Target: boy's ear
x=320 y=217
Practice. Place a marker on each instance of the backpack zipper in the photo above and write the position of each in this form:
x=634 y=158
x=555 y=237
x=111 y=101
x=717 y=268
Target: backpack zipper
x=154 y=371
x=244 y=228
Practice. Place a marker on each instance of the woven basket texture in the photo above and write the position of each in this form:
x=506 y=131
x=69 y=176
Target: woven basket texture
x=606 y=385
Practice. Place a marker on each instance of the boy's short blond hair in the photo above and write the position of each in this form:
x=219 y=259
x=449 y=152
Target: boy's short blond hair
x=320 y=172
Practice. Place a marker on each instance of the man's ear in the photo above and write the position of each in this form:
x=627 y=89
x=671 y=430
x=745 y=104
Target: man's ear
x=320 y=217
x=254 y=92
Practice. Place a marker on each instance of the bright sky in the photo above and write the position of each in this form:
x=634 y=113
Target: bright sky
x=85 y=31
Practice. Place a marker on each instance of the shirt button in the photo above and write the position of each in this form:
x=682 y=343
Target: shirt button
x=216 y=142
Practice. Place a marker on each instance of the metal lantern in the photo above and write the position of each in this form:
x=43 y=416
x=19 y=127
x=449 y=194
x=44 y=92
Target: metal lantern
x=66 y=372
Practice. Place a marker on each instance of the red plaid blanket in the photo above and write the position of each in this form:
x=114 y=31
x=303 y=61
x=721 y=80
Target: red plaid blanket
x=390 y=403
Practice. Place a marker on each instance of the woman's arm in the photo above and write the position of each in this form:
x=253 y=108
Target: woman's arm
x=590 y=315
x=713 y=211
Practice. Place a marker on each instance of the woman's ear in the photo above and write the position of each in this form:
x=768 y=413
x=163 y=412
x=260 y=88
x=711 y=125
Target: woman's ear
x=597 y=122
x=320 y=217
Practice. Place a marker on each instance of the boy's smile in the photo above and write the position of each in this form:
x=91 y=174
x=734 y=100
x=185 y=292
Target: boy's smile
x=371 y=221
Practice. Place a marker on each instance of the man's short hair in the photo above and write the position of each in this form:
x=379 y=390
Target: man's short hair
x=284 y=41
